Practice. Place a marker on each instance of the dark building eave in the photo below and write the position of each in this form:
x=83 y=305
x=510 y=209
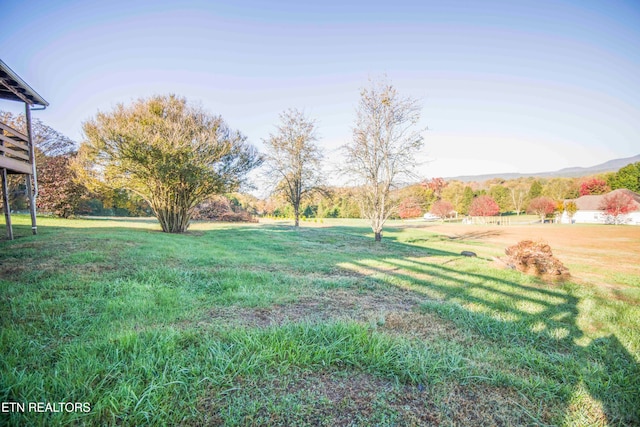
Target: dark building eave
x=13 y=88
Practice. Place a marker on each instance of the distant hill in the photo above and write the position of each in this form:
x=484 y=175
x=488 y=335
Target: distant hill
x=610 y=166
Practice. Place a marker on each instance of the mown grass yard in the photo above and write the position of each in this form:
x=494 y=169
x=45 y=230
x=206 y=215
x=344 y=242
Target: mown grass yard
x=264 y=324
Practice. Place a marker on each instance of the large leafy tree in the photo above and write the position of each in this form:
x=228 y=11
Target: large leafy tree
x=409 y=208
x=422 y=196
x=467 y=199
x=437 y=185
x=542 y=206
x=535 y=190
x=501 y=195
x=383 y=149
x=617 y=204
x=293 y=159
x=454 y=192
x=560 y=189
x=172 y=154
x=484 y=205
x=442 y=208
x=60 y=192
x=594 y=186
x=627 y=177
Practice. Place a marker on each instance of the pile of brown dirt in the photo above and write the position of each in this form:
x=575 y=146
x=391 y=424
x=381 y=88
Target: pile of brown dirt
x=536 y=258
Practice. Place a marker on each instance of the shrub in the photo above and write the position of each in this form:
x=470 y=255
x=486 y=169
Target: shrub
x=220 y=208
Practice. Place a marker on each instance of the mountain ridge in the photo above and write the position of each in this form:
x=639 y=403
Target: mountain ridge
x=570 y=172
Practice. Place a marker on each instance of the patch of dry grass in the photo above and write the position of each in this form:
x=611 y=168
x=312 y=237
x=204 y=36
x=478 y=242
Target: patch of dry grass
x=332 y=398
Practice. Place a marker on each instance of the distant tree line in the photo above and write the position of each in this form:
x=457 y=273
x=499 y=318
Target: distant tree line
x=65 y=192
x=162 y=156
x=538 y=196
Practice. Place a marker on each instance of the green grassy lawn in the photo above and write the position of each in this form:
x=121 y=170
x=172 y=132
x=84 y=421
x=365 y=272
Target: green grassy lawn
x=263 y=324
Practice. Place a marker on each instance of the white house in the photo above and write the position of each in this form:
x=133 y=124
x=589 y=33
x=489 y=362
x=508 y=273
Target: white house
x=590 y=210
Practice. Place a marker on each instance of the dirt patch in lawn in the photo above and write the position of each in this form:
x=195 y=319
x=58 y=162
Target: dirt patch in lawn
x=329 y=398
x=340 y=304
x=424 y=325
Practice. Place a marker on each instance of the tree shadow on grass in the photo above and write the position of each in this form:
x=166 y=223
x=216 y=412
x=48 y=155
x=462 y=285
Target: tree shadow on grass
x=530 y=318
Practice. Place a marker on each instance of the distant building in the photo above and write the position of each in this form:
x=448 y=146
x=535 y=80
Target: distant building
x=590 y=212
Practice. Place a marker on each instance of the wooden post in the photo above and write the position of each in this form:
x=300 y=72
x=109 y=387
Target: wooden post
x=31 y=178
x=5 y=204
x=5 y=201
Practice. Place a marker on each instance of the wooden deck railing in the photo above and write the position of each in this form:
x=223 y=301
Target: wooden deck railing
x=14 y=151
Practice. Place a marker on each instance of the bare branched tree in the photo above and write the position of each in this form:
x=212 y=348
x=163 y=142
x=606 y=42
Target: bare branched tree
x=293 y=160
x=382 y=153
x=50 y=146
x=518 y=191
x=170 y=153
x=48 y=141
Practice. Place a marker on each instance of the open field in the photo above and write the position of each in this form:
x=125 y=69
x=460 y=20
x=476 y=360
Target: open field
x=589 y=251
x=262 y=324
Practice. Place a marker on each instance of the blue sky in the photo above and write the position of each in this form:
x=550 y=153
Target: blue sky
x=506 y=86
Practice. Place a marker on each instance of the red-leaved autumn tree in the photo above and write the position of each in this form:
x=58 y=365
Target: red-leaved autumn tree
x=59 y=192
x=617 y=204
x=409 y=208
x=484 y=206
x=541 y=206
x=436 y=185
x=441 y=208
x=594 y=186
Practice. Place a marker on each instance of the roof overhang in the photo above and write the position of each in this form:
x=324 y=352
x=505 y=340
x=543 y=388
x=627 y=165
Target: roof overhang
x=13 y=88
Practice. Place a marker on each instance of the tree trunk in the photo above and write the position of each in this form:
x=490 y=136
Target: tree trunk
x=173 y=221
x=296 y=215
x=378 y=235
x=32 y=203
x=31 y=178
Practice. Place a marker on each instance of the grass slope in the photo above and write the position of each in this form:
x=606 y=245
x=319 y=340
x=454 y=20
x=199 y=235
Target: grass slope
x=263 y=324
